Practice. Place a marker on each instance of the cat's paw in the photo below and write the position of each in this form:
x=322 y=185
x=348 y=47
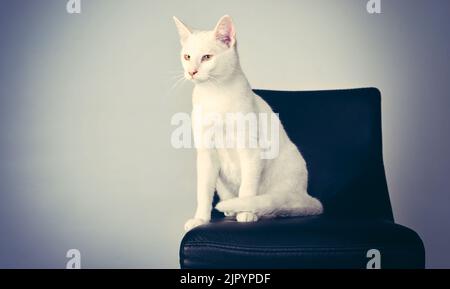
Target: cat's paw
x=246 y=217
x=192 y=223
x=229 y=214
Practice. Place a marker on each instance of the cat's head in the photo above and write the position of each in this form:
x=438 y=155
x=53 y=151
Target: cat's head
x=208 y=55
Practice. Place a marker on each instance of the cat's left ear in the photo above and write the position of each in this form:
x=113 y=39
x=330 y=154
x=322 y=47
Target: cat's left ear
x=225 y=31
x=183 y=30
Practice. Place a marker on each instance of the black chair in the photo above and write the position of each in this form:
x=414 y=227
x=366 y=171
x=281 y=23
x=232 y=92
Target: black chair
x=339 y=134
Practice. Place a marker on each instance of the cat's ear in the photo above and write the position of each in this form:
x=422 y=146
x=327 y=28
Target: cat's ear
x=183 y=30
x=225 y=31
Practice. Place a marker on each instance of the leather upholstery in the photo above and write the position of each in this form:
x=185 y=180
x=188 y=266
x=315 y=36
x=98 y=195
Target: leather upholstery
x=339 y=134
x=302 y=242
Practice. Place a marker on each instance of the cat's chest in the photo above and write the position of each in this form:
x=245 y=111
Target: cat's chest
x=215 y=117
x=213 y=102
x=210 y=110
x=230 y=169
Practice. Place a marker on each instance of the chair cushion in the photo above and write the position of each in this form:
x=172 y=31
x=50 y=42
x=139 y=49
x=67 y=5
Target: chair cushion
x=302 y=242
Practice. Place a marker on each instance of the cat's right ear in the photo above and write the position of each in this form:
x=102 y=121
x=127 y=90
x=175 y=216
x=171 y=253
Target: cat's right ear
x=183 y=30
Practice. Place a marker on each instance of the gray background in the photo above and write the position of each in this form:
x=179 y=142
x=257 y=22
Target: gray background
x=86 y=102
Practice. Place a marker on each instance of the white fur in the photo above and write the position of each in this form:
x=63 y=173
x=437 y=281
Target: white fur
x=249 y=187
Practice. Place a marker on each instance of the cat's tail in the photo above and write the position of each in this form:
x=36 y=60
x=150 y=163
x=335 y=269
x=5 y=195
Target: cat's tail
x=272 y=205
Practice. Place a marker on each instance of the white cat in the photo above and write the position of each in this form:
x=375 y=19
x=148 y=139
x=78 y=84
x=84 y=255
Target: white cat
x=249 y=187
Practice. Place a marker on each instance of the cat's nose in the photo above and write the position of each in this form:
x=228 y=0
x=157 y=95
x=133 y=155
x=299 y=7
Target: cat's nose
x=192 y=73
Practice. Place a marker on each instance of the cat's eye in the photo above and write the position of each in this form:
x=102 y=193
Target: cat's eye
x=187 y=57
x=206 y=57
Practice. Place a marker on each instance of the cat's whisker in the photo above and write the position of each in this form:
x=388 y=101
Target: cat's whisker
x=176 y=73
x=177 y=82
x=174 y=77
x=181 y=80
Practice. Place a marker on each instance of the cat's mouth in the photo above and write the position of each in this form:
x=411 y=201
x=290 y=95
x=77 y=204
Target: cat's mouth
x=197 y=77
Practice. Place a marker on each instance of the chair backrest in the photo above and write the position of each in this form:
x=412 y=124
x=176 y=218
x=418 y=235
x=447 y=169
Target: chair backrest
x=339 y=134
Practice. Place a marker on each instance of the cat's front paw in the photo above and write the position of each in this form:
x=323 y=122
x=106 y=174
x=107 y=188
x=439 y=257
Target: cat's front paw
x=192 y=223
x=229 y=214
x=246 y=217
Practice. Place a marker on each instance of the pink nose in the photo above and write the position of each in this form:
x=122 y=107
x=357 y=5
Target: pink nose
x=192 y=73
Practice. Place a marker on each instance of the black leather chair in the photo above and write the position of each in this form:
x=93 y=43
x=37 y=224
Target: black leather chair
x=339 y=135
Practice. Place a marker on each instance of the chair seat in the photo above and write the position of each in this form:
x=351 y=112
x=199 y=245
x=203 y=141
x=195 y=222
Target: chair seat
x=302 y=242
